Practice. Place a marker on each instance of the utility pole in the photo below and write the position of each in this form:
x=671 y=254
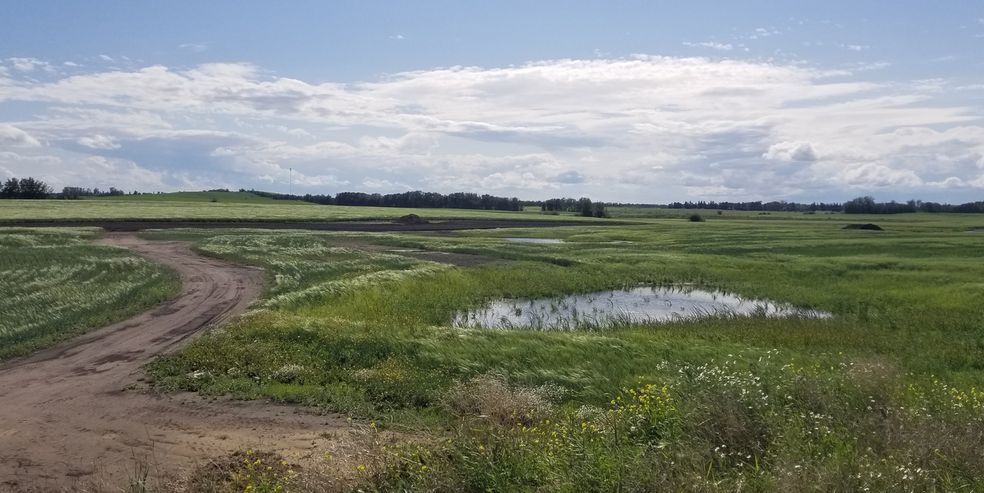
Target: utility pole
x=290 y=182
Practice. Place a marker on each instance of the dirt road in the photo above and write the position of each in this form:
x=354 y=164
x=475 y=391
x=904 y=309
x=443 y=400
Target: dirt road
x=70 y=414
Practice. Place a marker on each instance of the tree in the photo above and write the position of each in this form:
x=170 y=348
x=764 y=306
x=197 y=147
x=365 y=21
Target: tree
x=11 y=189
x=27 y=188
x=584 y=205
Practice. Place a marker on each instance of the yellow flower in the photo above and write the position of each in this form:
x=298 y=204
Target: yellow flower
x=361 y=468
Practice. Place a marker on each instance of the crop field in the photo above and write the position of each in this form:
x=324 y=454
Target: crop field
x=55 y=284
x=231 y=206
x=886 y=394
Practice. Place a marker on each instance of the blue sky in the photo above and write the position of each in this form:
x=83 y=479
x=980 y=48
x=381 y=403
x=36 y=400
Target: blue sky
x=619 y=101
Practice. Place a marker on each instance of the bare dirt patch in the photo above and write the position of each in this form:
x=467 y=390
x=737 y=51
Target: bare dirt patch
x=71 y=413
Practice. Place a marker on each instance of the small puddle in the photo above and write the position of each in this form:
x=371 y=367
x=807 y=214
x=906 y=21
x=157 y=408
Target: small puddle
x=639 y=305
x=535 y=240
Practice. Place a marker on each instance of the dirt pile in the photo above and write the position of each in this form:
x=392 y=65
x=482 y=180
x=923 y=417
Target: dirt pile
x=869 y=226
x=411 y=220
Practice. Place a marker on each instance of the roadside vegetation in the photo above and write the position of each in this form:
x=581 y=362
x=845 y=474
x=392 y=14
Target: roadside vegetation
x=56 y=284
x=886 y=395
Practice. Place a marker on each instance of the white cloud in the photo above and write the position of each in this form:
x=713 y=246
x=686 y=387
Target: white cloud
x=639 y=123
x=716 y=46
x=27 y=64
x=791 y=151
x=13 y=136
x=106 y=58
x=11 y=157
x=99 y=142
x=950 y=183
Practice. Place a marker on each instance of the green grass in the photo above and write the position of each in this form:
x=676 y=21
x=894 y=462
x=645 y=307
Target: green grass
x=882 y=396
x=234 y=206
x=55 y=284
x=210 y=197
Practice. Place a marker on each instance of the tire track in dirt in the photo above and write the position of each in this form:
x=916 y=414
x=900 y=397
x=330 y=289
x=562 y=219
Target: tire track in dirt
x=66 y=415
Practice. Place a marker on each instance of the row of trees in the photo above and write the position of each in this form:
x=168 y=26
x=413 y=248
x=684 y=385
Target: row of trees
x=27 y=188
x=775 y=206
x=31 y=188
x=582 y=206
x=867 y=205
x=74 y=193
x=416 y=199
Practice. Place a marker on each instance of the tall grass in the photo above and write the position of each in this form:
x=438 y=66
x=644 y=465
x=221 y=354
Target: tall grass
x=55 y=283
x=881 y=396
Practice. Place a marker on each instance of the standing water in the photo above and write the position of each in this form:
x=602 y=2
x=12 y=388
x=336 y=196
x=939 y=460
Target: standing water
x=639 y=305
x=535 y=240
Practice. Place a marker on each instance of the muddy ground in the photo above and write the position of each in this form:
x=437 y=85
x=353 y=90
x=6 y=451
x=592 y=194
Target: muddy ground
x=71 y=413
x=78 y=413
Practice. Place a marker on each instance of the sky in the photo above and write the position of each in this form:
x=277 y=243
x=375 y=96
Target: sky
x=620 y=101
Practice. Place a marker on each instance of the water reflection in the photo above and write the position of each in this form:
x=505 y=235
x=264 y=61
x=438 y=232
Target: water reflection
x=535 y=240
x=623 y=307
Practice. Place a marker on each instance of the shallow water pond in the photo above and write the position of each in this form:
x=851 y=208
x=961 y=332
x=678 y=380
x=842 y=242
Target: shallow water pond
x=607 y=308
x=535 y=240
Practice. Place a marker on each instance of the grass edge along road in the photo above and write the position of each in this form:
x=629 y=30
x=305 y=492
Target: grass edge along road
x=884 y=396
x=57 y=284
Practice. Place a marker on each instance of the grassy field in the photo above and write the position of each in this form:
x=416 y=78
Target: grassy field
x=232 y=206
x=55 y=284
x=883 y=396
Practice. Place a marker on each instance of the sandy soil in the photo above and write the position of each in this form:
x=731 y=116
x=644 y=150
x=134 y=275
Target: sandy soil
x=76 y=412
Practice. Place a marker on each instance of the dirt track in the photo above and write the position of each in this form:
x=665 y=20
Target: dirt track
x=66 y=414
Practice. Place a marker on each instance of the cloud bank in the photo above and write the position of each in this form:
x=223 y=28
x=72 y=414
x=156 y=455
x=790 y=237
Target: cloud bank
x=643 y=129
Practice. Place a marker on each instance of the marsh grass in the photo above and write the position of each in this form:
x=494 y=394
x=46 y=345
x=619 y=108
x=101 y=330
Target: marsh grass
x=882 y=396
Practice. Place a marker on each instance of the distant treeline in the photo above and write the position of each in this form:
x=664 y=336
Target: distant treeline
x=31 y=188
x=775 y=206
x=867 y=205
x=73 y=193
x=582 y=206
x=28 y=188
x=415 y=199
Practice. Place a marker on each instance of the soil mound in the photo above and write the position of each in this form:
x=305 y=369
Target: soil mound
x=411 y=219
x=869 y=226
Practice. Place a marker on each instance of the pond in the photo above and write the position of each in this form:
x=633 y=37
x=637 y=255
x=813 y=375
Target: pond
x=535 y=240
x=607 y=308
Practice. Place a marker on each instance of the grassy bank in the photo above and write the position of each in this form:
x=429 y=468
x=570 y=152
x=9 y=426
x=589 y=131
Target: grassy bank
x=56 y=284
x=882 y=396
